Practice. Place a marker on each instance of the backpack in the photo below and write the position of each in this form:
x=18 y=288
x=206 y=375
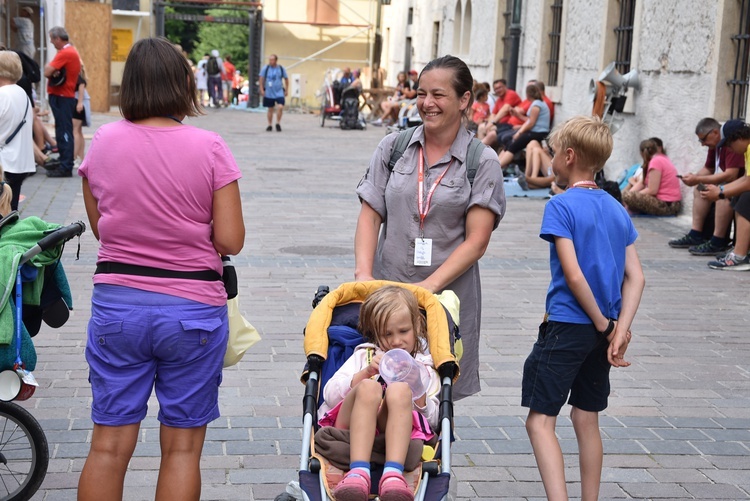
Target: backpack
x=350 y=114
x=212 y=66
x=30 y=68
x=265 y=72
x=474 y=153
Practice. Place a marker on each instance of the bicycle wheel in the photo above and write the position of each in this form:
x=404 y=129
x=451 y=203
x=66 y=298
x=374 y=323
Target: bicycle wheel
x=24 y=454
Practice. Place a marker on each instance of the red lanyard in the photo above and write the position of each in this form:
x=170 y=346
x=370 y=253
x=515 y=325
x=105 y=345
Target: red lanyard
x=423 y=206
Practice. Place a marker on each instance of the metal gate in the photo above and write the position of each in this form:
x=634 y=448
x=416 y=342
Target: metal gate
x=255 y=28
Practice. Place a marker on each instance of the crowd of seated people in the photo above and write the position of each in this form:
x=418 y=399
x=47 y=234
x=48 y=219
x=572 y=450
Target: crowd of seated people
x=406 y=90
x=514 y=124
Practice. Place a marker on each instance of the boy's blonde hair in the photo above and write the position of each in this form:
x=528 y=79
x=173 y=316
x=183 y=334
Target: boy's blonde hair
x=589 y=137
x=381 y=304
x=6 y=194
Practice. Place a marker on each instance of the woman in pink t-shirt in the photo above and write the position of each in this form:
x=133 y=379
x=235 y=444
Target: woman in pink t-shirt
x=659 y=194
x=162 y=199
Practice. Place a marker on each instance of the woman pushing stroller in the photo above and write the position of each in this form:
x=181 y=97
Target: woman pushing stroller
x=389 y=319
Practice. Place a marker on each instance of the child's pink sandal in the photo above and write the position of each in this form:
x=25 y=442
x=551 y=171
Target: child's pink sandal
x=353 y=487
x=393 y=487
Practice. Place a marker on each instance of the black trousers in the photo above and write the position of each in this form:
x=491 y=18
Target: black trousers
x=15 y=181
x=63 y=109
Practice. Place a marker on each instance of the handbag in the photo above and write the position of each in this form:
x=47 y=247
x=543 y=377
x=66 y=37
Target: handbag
x=242 y=334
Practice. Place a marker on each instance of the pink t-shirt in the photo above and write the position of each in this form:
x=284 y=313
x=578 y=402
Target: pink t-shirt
x=669 y=186
x=154 y=189
x=481 y=112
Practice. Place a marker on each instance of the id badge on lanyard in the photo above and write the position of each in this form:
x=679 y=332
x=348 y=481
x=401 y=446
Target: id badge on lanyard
x=422 y=245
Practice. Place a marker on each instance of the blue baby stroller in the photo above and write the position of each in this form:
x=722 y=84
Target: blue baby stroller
x=319 y=475
x=34 y=290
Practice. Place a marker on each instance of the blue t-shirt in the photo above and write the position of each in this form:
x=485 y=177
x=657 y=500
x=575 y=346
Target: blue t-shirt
x=542 y=123
x=274 y=86
x=600 y=229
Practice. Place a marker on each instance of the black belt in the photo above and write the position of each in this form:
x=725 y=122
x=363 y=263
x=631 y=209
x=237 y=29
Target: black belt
x=147 y=271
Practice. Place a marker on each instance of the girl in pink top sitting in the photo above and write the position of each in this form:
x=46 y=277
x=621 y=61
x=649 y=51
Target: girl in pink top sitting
x=355 y=400
x=659 y=192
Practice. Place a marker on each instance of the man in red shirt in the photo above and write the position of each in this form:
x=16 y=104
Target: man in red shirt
x=62 y=96
x=506 y=100
x=226 y=78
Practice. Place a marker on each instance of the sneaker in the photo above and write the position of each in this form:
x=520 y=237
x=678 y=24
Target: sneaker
x=685 y=242
x=722 y=255
x=707 y=249
x=51 y=164
x=59 y=173
x=731 y=263
x=378 y=122
x=269 y=128
x=278 y=128
x=522 y=182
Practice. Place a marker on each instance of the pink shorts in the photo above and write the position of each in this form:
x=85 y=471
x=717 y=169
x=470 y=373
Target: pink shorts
x=420 y=428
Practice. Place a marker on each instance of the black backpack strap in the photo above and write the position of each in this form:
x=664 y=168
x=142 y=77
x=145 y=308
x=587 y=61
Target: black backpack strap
x=399 y=146
x=473 y=157
x=23 y=121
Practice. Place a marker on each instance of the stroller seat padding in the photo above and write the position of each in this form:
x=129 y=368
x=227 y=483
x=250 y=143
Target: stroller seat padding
x=333 y=444
x=438 y=335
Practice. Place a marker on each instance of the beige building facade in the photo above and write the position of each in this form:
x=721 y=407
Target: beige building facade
x=314 y=37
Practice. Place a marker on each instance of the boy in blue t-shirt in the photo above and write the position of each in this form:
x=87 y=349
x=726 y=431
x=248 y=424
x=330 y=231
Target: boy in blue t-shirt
x=596 y=287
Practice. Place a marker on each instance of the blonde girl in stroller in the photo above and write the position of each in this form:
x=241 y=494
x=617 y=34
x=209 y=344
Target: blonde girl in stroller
x=389 y=319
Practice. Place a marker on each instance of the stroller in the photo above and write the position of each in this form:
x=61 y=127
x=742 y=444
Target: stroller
x=341 y=104
x=24 y=454
x=318 y=476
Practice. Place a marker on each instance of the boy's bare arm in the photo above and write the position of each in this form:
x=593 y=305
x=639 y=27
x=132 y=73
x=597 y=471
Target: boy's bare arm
x=632 y=290
x=577 y=283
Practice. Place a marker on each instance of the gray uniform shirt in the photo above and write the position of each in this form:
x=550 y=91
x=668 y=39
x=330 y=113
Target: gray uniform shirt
x=393 y=195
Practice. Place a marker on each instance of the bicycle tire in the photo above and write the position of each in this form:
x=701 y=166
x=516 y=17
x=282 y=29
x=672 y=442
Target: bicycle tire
x=24 y=453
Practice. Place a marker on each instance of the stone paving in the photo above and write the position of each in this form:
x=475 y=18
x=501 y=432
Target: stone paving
x=678 y=425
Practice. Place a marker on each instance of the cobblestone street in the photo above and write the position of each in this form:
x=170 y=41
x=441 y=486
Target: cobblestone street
x=678 y=425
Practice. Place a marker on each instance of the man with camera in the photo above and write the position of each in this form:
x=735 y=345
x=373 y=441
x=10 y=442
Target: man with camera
x=62 y=74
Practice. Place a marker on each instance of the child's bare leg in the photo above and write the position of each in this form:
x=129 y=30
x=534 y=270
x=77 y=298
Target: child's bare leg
x=481 y=130
x=37 y=128
x=395 y=418
x=533 y=159
x=549 y=458
x=491 y=136
x=505 y=157
x=590 y=452
x=361 y=407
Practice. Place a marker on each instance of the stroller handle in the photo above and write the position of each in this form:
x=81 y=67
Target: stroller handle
x=62 y=234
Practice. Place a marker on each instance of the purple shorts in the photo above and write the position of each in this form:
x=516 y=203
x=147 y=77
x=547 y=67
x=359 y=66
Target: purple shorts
x=138 y=340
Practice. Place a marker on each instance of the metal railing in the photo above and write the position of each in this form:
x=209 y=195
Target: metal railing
x=738 y=84
x=624 y=34
x=553 y=63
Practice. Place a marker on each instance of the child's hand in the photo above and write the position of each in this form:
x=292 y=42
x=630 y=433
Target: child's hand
x=374 y=367
x=618 y=345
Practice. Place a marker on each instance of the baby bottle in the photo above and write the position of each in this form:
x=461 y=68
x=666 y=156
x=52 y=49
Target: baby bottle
x=398 y=366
